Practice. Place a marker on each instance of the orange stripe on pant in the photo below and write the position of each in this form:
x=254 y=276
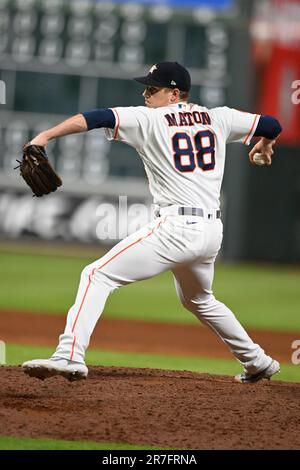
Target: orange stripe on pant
x=96 y=269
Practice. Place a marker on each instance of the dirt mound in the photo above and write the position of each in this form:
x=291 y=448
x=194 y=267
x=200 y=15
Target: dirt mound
x=155 y=407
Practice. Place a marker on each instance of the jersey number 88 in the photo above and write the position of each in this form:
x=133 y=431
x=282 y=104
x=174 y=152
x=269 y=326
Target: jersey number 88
x=184 y=154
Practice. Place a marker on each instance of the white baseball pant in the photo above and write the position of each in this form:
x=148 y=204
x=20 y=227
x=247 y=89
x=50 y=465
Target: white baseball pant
x=186 y=245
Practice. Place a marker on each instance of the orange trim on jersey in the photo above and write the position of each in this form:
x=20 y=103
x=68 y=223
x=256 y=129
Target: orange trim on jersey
x=256 y=116
x=100 y=267
x=118 y=124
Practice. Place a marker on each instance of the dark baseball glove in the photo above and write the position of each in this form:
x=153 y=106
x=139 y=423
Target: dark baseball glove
x=37 y=171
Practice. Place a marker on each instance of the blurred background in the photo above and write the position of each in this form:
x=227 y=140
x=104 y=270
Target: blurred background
x=60 y=57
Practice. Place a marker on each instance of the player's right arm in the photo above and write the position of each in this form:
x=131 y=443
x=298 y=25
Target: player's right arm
x=239 y=126
x=268 y=129
x=79 y=123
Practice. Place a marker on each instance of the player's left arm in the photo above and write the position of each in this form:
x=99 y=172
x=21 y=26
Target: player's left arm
x=83 y=122
x=268 y=128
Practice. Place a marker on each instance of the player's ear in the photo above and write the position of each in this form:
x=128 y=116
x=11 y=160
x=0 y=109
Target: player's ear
x=175 y=94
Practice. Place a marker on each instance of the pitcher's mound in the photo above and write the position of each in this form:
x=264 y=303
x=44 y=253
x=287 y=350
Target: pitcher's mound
x=161 y=408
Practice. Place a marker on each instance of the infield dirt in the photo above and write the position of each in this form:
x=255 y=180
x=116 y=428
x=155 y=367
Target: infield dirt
x=116 y=334
x=165 y=409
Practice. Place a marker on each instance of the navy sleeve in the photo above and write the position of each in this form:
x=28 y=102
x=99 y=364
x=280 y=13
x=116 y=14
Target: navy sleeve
x=100 y=118
x=268 y=127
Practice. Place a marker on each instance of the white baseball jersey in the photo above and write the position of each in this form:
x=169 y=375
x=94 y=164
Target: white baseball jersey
x=183 y=148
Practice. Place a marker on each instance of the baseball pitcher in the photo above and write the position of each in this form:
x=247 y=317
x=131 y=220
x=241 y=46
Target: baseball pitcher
x=183 y=147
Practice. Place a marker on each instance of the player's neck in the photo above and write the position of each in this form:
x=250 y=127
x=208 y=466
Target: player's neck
x=178 y=102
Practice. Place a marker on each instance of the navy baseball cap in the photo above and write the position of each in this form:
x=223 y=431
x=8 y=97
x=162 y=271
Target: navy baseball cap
x=167 y=74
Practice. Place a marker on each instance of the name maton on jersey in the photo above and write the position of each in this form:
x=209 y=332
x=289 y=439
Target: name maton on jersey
x=187 y=118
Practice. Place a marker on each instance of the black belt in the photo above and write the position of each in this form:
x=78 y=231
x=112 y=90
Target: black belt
x=198 y=212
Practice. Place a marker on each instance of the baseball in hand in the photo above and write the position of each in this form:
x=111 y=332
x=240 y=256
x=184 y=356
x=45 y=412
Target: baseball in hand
x=260 y=159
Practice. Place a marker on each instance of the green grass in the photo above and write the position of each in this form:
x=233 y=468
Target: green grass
x=15 y=443
x=265 y=297
x=16 y=354
x=38 y=282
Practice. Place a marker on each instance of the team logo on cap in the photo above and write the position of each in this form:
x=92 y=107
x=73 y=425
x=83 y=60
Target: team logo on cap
x=173 y=82
x=152 y=69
